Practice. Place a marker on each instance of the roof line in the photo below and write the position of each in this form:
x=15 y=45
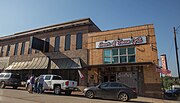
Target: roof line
x=46 y=28
x=123 y=28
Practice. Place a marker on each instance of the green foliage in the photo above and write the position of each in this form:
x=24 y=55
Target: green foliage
x=169 y=81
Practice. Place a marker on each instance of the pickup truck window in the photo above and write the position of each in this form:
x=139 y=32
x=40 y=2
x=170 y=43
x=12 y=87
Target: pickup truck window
x=56 y=78
x=7 y=75
x=47 y=77
x=1 y=75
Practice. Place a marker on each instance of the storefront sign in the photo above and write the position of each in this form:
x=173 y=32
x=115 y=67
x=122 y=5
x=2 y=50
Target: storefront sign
x=121 y=42
x=164 y=63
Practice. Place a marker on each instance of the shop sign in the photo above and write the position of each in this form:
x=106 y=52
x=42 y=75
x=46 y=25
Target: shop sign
x=164 y=62
x=121 y=42
x=164 y=68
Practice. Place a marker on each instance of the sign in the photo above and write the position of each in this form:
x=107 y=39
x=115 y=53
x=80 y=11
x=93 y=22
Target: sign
x=164 y=62
x=164 y=68
x=38 y=44
x=121 y=42
x=163 y=71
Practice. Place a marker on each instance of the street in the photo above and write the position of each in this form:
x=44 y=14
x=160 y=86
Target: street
x=9 y=95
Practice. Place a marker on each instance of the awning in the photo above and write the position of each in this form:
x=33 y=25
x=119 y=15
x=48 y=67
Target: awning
x=18 y=65
x=66 y=63
x=3 y=65
x=38 y=63
x=121 y=64
x=4 y=61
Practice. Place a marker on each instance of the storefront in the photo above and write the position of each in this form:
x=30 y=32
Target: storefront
x=79 y=50
x=127 y=55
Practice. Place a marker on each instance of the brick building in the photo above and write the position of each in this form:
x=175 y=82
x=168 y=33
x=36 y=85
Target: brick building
x=127 y=55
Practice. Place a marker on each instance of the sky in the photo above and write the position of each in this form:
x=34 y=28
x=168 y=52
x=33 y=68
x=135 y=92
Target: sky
x=22 y=15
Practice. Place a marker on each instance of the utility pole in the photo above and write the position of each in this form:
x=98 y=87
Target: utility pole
x=177 y=59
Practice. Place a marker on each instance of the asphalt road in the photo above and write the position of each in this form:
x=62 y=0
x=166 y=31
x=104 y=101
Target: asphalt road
x=21 y=96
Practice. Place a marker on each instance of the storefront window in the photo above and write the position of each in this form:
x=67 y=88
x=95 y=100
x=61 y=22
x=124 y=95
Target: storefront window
x=123 y=59
x=107 y=53
x=122 y=51
x=131 y=51
x=115 y=60
x=114 y=52
x=120 y=55
x=131 y=59
x=107 y=60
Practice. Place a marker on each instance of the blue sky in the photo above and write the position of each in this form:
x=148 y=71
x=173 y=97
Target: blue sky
x=22 y=15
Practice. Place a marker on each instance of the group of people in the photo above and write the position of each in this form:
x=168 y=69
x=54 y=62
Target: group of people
x=36 y=84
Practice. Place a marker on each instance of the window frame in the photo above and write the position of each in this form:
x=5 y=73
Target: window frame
x=8 y=50
x=2 y=52
x=23 y=48
x=16 y=48
x=67 y=42
x=56 y=44
x=119 y=55
x=79 y=40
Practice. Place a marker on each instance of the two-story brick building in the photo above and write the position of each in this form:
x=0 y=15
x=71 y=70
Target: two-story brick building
x=127 y=55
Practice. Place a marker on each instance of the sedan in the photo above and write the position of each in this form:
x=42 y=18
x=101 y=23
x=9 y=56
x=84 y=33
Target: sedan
x=173 y=94
x=110 y=90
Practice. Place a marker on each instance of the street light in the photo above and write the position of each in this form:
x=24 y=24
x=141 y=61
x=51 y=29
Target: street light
x=176 y=48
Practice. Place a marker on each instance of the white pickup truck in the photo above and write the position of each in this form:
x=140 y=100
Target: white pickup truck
x=57 y=84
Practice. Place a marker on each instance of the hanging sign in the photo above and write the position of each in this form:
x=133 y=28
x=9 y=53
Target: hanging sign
x=121 y=42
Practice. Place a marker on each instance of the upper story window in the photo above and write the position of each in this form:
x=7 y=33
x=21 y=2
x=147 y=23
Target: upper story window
x=16 y=49
x=79 y=41
x=119 y=55
x=46 y=43
x=22 y=48
x=67 y=42
x=8 y=50
x=56 y=44
x=29 y=50
x=1 y=52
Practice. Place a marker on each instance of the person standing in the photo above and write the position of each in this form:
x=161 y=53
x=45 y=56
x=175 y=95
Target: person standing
x=40 y=84
x=36 y=84
x=31 y=85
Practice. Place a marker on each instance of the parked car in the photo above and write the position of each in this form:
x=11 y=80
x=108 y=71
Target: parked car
x=10 y=79
x=172 y=94
x=57 y=84
x=110 y=90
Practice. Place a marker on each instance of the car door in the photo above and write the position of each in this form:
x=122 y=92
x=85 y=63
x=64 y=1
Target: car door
x=113 y=90
x=47 y=82
x=102 y=90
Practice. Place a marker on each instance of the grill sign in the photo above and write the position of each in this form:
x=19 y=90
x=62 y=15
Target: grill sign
x=121 y=42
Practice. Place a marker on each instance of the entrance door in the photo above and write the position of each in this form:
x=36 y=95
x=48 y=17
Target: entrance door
x=105 y=79
x=109 y=78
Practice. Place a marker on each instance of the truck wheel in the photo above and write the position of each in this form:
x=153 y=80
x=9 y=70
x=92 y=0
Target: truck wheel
x=2 y=85
x=68 y=92
x=57 y=90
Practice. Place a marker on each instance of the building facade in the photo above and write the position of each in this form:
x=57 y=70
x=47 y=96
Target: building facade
x=127 y=55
